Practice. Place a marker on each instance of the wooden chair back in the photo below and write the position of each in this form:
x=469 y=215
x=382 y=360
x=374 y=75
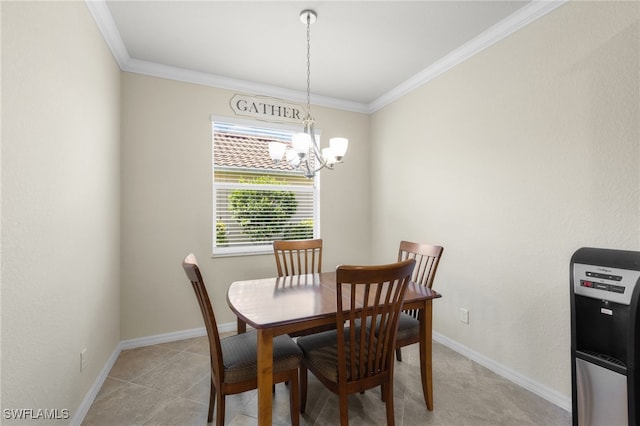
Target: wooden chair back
x=296 y=257
x=190 y=265
x=373 y=295
x=427 y=257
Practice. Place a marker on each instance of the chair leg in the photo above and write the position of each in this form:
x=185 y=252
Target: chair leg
x=303 y=388
x=388 y=390
x=399 y=354
x=220 y=410
x=212 y=398
x=294 y=397
x=344 y=409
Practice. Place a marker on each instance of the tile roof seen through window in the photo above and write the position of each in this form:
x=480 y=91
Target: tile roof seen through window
x=245 y=152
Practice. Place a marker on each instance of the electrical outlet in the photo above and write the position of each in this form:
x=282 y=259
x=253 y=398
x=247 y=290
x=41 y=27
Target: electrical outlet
x=83 y=359
x=464 y=315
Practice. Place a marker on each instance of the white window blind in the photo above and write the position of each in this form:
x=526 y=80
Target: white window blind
x=256 y=201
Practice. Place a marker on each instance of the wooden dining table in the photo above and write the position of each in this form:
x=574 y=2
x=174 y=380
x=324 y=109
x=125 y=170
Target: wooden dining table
x=293 y=304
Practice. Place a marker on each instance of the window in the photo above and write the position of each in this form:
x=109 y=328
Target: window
x=255 y=200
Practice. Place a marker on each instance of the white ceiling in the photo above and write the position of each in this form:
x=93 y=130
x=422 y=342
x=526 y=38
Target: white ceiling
x=363 y=53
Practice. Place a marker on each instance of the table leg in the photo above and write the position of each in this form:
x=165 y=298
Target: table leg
x=241 y=327
x=265 y=375
x=426 y=347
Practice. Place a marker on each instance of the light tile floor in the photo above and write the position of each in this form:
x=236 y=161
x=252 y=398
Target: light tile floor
x=168 y=384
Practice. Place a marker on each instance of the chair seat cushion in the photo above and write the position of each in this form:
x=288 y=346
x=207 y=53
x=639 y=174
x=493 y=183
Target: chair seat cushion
x=240 y=356
x=408 y=327
x=321 y=353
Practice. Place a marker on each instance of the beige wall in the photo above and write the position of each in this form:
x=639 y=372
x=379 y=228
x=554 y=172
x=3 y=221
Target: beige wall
x=167 y=203
x=60 y=204
x=512 y=161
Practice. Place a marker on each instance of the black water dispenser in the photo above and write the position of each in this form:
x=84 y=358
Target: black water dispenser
x=605 y=346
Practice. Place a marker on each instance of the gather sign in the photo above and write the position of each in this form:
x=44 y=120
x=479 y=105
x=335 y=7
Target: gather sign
x=267 y=109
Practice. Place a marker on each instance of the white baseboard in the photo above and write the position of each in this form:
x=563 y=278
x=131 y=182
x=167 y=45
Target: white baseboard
x=545 y=392
x=83 y=409
x=542 y=391
x=162 y=338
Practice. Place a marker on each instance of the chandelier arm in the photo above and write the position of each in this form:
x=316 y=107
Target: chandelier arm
x=323 y=165
x=316 y=149
x=311 y=172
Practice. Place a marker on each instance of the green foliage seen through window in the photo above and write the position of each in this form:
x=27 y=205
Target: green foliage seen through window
x=262 y=214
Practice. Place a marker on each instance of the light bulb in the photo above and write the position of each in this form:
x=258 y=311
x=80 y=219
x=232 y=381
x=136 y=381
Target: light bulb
x=339 y=147
x=276 y=150
x=301 y=143
x=329 y=156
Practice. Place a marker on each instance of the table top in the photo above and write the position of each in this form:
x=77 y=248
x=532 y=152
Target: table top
x=289 y=301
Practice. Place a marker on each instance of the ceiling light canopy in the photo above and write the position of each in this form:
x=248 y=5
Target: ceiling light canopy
x=305 y=154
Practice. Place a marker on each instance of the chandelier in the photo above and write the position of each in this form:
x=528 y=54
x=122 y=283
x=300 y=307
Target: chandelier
x=305 y=154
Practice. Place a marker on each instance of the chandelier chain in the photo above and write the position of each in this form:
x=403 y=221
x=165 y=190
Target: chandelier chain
x=308 y=64
x=304 y=153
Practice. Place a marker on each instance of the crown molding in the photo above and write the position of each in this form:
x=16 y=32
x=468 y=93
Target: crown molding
x=527 y=14
x=212 y=80
x=107 y=27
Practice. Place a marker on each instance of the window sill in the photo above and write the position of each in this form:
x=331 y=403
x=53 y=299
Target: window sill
x=241 y=251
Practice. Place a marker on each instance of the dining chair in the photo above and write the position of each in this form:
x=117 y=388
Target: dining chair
x=296 y=257
x=234 y=358
x=354 y=358
x=427 y=257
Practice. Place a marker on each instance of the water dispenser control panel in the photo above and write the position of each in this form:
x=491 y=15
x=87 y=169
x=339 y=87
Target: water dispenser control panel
x=598 y=282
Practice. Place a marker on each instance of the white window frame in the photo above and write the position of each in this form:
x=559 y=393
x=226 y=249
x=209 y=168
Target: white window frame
x=267 y=248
